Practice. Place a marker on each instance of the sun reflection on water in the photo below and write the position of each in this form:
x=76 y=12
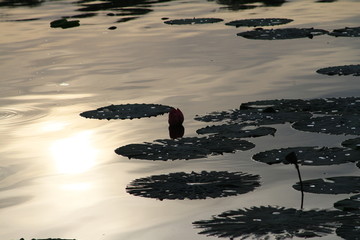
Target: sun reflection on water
x=74 y=154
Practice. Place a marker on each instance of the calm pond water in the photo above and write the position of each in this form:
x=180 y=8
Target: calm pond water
x=59 y=175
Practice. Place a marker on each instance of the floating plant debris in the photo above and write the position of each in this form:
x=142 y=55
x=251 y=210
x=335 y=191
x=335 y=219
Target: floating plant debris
x=332 y=185
x=272 y=222
x=184 y=148
x=282 y=33
x=314 y=156
x=64 y=23
x=259 y=22
x=194 y=185
x=351 y=204
x=346 y=32
x=127 y=111
x=237 y=131
x=352 y=143
x=345 y=124
x=190 y=21
x=341 y=70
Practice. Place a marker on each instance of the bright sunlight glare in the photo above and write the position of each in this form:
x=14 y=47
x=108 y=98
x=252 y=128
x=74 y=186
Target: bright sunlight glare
x=74 y=154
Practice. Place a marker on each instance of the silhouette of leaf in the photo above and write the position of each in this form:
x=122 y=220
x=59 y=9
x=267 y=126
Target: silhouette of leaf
x=341 y=70
x=346 y=32
x=352 y=143
x=194 y=185
x=259 y=22
x=282 y=33
x=190 y=21
x=351 y=204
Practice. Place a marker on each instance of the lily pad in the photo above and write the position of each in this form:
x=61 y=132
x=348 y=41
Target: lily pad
x=282 y=33
x=332 y=185
x=190 y=21
x=259 y=22
x=64 y=23
x=271 y=222
x=338 y=125
x=346 y=32
x=350 y=229
x=341 y=70
x=183 y=148
x=352 y=143
x=236 y=131
x=314 y=156
x=351 y=204
x=194 y=185
x=127 y=111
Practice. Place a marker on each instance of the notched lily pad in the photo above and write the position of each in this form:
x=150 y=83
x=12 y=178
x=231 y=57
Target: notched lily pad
x=271 y=222
x=351 y=204
x=190 y=21
x=64 y=23
x=183 y=148
x=127 y=111
x=341 y=70
x=194 y=185
x=237 y=131
x=332 y=185
x=314 y=156
x=282 y=33
x=259 y=22
x=345 y=124
x=352 y=143
x=346 y=32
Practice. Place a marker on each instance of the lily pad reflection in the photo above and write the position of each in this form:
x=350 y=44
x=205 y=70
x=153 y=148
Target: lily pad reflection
x=314 y=156
x=259 y=22
x=194 y=185
x=351 y=204
x=127 y=111
x=341 y=70
x=332 y=185
x=266 y=222
x=190 y=21
x=283 y=33
x=184 y=148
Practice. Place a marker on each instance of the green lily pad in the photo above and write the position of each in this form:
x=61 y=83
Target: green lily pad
x=237 y=131
x=127 y=111
x=282 y=33
x=332 y=185
x=351 y=204
x=338 y=125
x=259 y=22
x=341 y=70
x=346 y=32
x=314 y=156
x=183 y=148
x=352 y=143
x=271 y=223
x=190 y=21
x=194 y=185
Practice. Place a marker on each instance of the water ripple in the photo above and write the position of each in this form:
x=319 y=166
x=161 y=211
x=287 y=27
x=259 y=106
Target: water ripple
x=20 y=115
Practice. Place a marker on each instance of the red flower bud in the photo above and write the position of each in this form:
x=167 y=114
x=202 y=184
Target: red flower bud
x=176 y=117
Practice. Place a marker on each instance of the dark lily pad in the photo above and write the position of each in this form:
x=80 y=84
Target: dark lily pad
x=282 y=33
x=64 y=23
x=341 y=70
x=183 y=148
x=271 y=222
x=259 y=22
x=352 y=143
x=351 y=204
x=313 y=156
x=194 y=185
x=345 y=124
x=127 y=111
x=350 y=230
x=237 y=131
x=332 y=185
x=346 y=32
x=189 y=21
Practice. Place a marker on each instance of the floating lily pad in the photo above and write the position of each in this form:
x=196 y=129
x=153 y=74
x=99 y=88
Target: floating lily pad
x=64 y=23
x=341 y=70
x=352 y=143
x=271 y=222
x=259 y=22
x=194 y=185
x=127 y=111
x=313 y=156
x=350 y=229
x=346 y=32
x=183 y=148
x=193 y=21
x=237 y=131
x=351 y=204
x=282 y=33
x=345 y=124
x=332 y=185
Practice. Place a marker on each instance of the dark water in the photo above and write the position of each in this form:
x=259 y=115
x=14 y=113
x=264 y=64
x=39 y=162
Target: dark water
x=59 y=175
